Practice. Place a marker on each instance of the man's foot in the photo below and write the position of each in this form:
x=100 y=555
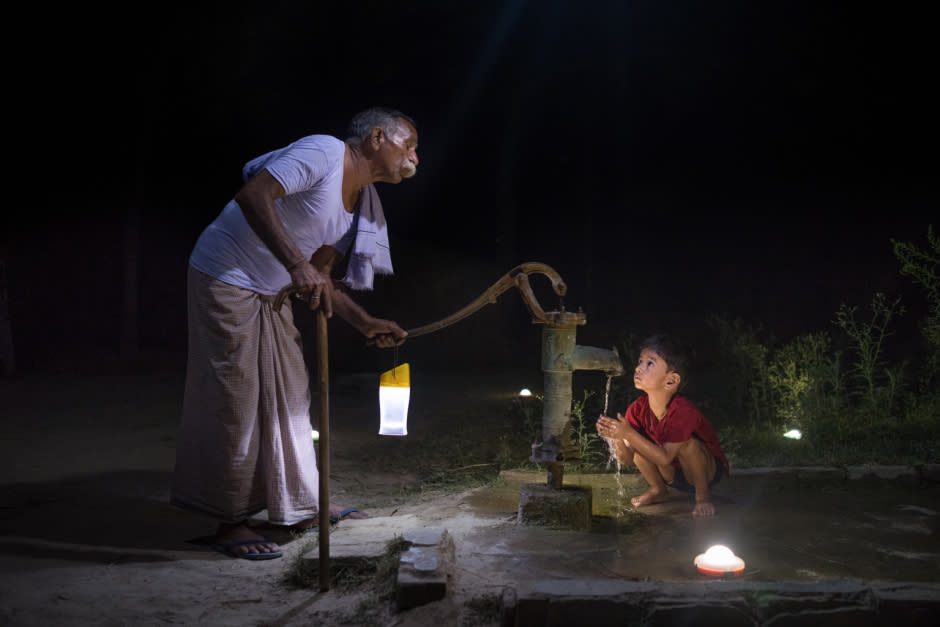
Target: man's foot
x=650 y=497
x=704 y=509
x=239 y=540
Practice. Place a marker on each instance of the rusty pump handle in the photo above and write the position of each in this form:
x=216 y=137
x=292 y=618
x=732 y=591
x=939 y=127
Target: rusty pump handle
x=517 y=277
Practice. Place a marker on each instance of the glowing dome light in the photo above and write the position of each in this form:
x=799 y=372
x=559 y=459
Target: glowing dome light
x=719 y=561
x=793 y=434
x=525 y=392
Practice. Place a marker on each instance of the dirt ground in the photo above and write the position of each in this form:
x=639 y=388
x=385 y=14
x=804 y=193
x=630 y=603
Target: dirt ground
x=87 y=536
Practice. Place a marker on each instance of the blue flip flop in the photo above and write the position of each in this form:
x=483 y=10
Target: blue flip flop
x=335 y=518
x=227 y=550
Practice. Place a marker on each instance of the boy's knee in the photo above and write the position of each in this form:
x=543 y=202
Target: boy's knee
x=695 y=451
x=695 y=459
x=625 y=454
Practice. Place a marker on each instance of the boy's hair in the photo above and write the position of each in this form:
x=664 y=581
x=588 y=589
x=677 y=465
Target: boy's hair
x=676 y=354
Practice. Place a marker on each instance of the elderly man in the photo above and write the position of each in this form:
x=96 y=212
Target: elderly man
x=244 y=442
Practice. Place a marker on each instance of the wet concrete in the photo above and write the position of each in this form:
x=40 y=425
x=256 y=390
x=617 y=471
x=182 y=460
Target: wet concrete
x=819 y=538
x=821 y=546
x=859 y=542
x=789 y=525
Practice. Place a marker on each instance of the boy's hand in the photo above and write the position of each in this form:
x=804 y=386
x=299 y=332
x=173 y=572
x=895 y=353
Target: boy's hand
x=608 y=427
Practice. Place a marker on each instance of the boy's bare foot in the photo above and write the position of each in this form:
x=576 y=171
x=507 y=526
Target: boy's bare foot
x=650 y=497
x=704 y=509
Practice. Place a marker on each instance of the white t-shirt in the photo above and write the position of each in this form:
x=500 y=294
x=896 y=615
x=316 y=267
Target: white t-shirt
x=312 y=211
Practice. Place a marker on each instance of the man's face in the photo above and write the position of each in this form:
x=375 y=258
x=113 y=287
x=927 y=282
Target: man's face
x=402 y=147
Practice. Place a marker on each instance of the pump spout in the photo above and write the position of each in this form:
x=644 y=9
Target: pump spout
x=592 y=358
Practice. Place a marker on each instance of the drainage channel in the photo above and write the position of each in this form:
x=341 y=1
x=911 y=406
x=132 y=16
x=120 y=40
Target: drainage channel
x=728 y=603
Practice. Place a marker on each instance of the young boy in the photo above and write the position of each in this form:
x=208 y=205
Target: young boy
x=664 y=433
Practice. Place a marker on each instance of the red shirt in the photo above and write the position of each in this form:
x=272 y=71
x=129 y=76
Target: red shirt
x=683 y=420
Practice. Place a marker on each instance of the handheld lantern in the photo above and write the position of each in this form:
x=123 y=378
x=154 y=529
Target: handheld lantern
x=394 y=393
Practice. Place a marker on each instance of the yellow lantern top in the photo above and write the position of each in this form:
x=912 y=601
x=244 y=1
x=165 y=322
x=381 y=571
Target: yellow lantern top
x=397 y=377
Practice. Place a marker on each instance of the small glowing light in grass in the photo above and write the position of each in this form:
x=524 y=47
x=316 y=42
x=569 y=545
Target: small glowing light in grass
x=793 y=434
x=525 y=392
x=719 y=561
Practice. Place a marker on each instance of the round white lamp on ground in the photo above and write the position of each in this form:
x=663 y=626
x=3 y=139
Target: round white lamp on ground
x=719 y=561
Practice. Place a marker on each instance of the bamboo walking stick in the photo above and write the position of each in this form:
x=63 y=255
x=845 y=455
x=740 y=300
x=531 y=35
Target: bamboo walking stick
x=323 y=375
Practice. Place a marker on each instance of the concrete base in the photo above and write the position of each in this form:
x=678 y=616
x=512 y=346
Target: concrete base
x=566 y=508
x=426 y=568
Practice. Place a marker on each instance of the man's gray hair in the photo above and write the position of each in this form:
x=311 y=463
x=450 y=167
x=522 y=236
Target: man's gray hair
x=361 y=125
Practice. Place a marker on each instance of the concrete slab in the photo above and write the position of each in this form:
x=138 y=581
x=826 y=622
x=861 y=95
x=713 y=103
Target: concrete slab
x=365 y=538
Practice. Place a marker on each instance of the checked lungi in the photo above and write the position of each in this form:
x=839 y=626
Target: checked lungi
x=244 y=443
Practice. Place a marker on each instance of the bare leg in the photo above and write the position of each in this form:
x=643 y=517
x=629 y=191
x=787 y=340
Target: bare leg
x=654 y=476
x=698 y=465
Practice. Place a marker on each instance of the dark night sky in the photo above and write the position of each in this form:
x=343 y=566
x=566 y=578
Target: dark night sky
x=668 y=159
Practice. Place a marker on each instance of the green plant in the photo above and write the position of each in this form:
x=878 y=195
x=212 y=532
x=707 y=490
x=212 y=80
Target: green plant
x=923 y=267
x=806 y=380
x=584 y=436
x=868 y=338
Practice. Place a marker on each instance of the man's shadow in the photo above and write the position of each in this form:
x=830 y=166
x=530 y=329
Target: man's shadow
x=120 y=516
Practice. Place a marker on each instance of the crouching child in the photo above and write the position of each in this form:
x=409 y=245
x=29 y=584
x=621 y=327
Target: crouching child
x=664 y=433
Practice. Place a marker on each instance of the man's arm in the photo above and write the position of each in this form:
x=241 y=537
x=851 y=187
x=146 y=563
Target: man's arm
x=385 y=332
x=256 y=199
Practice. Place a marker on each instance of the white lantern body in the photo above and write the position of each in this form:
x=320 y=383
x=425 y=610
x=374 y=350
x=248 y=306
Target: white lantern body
x=394 y=394
x=393 y=410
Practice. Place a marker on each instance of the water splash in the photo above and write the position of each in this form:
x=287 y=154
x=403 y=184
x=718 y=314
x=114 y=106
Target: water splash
x=607 y=393
x=611 y=451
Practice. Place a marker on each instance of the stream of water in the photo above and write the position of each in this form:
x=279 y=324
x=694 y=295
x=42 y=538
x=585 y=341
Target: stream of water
x=611 y=453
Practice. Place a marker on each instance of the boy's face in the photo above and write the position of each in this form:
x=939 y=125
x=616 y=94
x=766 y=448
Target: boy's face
x=651 y=372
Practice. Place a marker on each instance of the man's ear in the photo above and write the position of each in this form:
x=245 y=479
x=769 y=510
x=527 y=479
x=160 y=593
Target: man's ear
x=376 y=136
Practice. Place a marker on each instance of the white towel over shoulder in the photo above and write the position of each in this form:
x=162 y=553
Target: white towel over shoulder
x=370 y=251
